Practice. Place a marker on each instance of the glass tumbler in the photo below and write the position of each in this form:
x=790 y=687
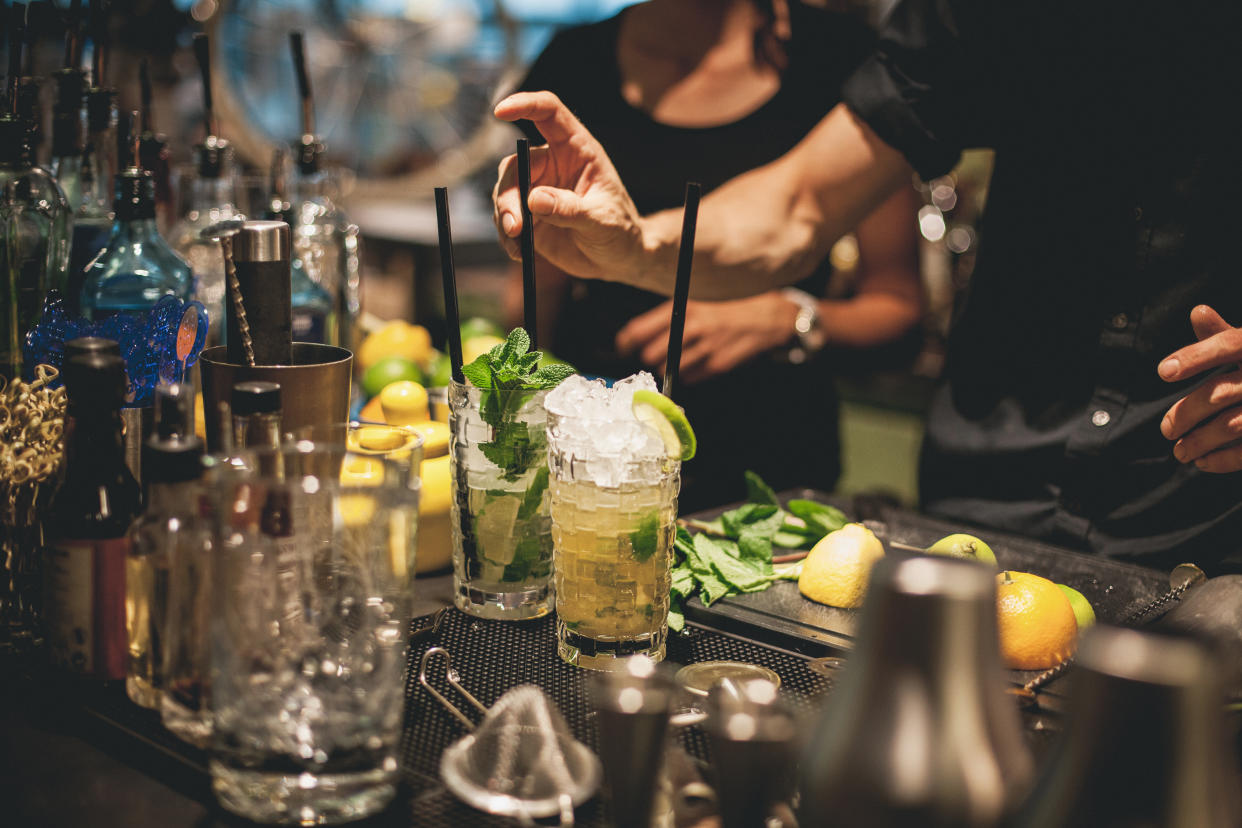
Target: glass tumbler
x=502 y=540
x=614 y=546
x=311 y=611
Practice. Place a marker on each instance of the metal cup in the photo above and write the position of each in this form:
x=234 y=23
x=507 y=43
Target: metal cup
x=314 y=389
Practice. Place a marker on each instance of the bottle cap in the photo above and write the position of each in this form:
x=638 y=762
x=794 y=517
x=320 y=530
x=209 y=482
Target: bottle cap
x=255 y=398
x=173 y=454
x=262 y=241
x=90 y=345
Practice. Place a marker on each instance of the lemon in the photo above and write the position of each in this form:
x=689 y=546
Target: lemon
x=837 y=568
x=435 y=540
x=476 y=346
x=388 y=370
x=404 y=403
x=396 y=338
x=964 y=546
x=668 y=419
x=1084 y=613
x=435 y=437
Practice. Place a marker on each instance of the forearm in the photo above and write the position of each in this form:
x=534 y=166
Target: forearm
x=773 y=225
x=867 y=320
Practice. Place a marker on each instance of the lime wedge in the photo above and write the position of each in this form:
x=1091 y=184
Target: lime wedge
x=668 y=419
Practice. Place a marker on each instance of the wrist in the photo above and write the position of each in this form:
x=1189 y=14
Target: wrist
x=655 y=265
x=806 y=333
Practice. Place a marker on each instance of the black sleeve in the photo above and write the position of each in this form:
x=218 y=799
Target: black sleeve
x=923 y=89
x=552 y=70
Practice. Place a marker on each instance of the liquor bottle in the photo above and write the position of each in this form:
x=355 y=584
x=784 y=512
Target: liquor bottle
x=313 y=313
x=323 y=238
x=93 y=212
x=34 y=231
x=256 y=415
x=153 y=152
x=91 y=512
x=137 y=267
x=169 y=529
x=210 y=202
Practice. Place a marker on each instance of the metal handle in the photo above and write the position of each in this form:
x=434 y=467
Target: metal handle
x=450 y=675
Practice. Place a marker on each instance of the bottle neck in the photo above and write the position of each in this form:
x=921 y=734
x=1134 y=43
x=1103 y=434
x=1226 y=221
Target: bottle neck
x=212 y=195
x=135 y=197
x=97 y=448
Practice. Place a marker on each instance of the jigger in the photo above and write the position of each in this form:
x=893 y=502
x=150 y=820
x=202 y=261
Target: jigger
x=752 y=739
x=1145 y=740
x=632 y=709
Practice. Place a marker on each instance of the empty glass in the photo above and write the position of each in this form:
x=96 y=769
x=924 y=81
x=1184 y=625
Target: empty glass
x=312 y=606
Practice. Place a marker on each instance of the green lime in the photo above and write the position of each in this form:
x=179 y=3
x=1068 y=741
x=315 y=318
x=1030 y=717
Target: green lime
x=387 y=370
x=441 y=371
x=963 y=546
x=1083 y=613
x=478 y=326
x=667 y=418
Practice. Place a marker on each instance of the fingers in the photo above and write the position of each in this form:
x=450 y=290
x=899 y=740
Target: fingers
x=1204 y=402
x=507 y=201
x=644 y=328
x=1211 y=437
x=1224 y=461
x=1222 y=346
x=551 y=117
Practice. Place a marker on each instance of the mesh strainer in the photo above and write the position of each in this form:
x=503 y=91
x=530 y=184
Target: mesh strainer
x=522 y=761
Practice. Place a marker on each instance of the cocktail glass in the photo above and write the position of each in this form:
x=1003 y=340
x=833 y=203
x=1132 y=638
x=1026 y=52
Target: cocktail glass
x=502 y=540
x=614 y=508
x=312 y=599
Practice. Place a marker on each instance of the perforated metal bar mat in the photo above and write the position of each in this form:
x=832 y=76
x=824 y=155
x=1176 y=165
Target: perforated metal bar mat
x=493 y=656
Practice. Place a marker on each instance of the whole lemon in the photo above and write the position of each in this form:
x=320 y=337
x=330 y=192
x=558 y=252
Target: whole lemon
x=476 y=346
x=1036 y=622
x=837 y=568
x=404 y=403
x=395 y=338
x=964 y=546
x=435 y=437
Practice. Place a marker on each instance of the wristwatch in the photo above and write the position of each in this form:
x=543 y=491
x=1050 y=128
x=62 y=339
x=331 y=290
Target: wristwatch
x=807 y=327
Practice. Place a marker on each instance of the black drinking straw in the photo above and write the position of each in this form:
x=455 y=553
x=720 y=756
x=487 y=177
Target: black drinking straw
x=681 y=289
x=451 y=314
x=527 y=241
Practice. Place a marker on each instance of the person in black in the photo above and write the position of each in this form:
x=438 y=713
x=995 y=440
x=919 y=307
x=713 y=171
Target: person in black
x=704 y=91
x=1110 y=245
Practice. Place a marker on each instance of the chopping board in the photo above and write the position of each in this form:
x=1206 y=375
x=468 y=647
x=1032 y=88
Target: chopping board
x=780 y=617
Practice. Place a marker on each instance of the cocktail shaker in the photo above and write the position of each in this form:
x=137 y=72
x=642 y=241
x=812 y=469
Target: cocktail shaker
x=919 y=730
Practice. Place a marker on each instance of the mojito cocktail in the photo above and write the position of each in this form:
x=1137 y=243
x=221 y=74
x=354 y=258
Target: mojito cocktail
x=614 y=507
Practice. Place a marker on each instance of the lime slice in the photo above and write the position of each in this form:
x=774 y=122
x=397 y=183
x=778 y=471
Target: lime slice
x=668 y=419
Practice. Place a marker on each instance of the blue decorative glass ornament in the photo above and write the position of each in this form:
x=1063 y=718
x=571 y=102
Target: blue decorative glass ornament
x=158 y=346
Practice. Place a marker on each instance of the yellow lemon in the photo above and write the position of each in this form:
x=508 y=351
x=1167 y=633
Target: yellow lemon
x=435 y=438
x=404 y=403
x=395 y=338
x=435 y=539
x=1037 y=625
x=476 y=346
x=837 y=568
x=200 y=418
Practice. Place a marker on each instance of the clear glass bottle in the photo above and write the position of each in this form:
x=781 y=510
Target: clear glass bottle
x=136 y=267
x=326 y=243
x=34 y=240
x=68 y=133
x=256 y=415
x=91 y=512
x=211 y=200
x=168 y=530
x=313 y=312
x=93 y=210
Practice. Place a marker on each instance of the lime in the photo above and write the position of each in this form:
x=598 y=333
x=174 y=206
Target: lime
x=668 y=419
x=478 y=326
x=440 y=371
x=1083 y=611
x=388 y=370
x=964 y=546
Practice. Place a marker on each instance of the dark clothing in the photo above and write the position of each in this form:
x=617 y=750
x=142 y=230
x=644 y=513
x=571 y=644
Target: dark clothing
x=1113 y=210
x=778 y=419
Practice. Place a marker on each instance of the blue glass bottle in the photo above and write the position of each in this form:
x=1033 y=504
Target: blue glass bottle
x=137 y=266
x=92 y=210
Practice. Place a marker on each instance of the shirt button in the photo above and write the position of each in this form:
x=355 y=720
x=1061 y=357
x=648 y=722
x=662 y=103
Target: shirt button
x=1120 y=321
x=1100 y=417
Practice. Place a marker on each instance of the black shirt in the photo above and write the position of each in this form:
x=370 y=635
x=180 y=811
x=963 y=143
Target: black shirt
x=1113 y=210
x=777 y=419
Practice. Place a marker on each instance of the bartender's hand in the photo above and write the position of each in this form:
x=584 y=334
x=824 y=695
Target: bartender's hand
x=1207 y=423
x=718 y=336
x=586 y=224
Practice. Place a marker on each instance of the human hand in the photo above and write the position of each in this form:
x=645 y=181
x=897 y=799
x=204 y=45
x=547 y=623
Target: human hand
x=718 y=336
x=1207 y=423
x=586 y=224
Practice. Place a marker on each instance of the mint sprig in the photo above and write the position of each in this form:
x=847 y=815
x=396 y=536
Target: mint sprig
x=506 y=375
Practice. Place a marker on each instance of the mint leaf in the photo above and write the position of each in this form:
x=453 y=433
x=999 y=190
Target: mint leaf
x=759 y=492
x=534 y=495
x=735 y=520
x=819 y=517
x=516 y=344
x=676 y=620
x=645 y=540
x=550 y=376
x=682 y=582
x=478 y=373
